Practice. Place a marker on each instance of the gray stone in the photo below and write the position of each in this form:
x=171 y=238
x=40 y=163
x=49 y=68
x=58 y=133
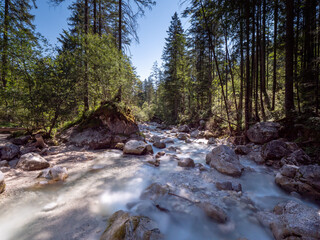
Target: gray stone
x=32 y=162
x=224 y=160
x=184 y=128
x=214 y=212
x=186 y=162
x=160 y=145
x=9 y=151
x=182 y=136
x=263 y=132
x=135 y=147
x=242 y=150
x=56 y=173
x=2 y=183
x=275 y=150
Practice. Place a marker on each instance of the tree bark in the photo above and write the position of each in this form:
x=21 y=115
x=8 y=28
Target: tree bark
x=5 y=44
x=248 y=85
x=120 y=26
x=289 y=102
x=274 y=85
x=86 y=76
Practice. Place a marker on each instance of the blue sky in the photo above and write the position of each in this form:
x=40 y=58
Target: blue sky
x=50 y=20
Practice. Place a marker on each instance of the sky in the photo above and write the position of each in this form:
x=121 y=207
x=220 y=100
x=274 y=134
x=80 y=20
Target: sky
x=50 y=20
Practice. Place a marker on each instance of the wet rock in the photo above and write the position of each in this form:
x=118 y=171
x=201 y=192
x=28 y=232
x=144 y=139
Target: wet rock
x=304 y=180
x=21 y=140
x=135 y=147
x=212 y=141
x=194 y=134
x=25 y=150
x=242 y=150
x=56 y=173
x=155 y=139
x=186 y=162
x=172 y=149
x=184 y=129
x=256 y=157
x=154 y=161
x=275 y=150
x=207 y=134
x=228 y=186
x=188 y=140
x=32 y=162
x=263 y=132
x=224 y=160
x=160 y=145
x=2 y=183
x=168 y=141
x=200 y=167
x=149 y=149
x=214 y=212
x=119 y=146
x=155 y=191
x=182 y=136
x=123 y=226
x=9 y=151
x=160 y=154
x=292 y=220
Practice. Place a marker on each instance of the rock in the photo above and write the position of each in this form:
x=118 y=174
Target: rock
x=168 y=141
x=298 y=157
x=9 y=151
x=194 y=134
x=56 y=173
x=2 y=183
x=40 y=142
x=155 y=139
x=25 y=150
x=154 y=161
x=256 y=157
x=32 y=162
x=155 y=191
x=149 y=149
x=123 y=226
x=224 y=160
x=119 y=146
x=188 y=140
x=292 y=220
x=212 y=141
x=202 y=124
x=160 y=145
x=184 y=129
x=242 y=150
x=182 y=136
x=275 y=150
x=304 y=180
x=4 y=163
x=160 y=154
x=228 y=186
x=104 y=128
x=186 y=162
x=263 y=132
x=21 y=140
x=135 y=147
x=207 y=134
x=214 y=212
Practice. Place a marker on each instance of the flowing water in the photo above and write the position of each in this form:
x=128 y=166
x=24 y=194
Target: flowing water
x=80 y=207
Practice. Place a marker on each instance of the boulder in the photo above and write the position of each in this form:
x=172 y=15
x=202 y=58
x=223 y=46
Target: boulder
x=104 y=128
x=256 y=157
x=275 y=150
x=154 y=161
x=184 y=129
x=214 y=212
x=4 y=163
x=155 y=191
x=168 y=141
x=228 y=186
x=186 y=162
x=32 y=162
x=202 y=124
x=119 y=146
x=182 y=136
x=160 y=145
x=304 y=180
x=123 y=226
x=292 y=220
x=2 y=183
x=194 y=134
x=155 y=139
x=56 y=173
x=9 y=151
x=160 y=154
x=298 y=157
x=242 y=150
x=224 y=160
x=135 y=147
x=263 y=132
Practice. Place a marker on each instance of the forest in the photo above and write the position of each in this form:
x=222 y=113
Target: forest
x=220 y=141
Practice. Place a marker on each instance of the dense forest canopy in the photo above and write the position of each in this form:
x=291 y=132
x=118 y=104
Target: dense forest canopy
x=239 y=62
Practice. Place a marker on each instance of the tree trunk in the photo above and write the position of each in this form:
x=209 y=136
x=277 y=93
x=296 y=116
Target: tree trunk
x=100 y=18
x=86 y=76
x=95 y=16
x=241 y=71
x=289 y=102
x=120 y=26
x=248 y=85
x=274 y=85
x=5 y=44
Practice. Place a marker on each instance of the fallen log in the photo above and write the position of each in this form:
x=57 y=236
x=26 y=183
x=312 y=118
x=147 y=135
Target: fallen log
x=7 y=129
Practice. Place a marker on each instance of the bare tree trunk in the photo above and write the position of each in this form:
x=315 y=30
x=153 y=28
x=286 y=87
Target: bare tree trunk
x=5 y=44
x=289 y=103
x=94 y=16
x=274 y=85
x=100 y=18
x=241 y=71
x=120 y=26
x=86 y=76
x=248 y=85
